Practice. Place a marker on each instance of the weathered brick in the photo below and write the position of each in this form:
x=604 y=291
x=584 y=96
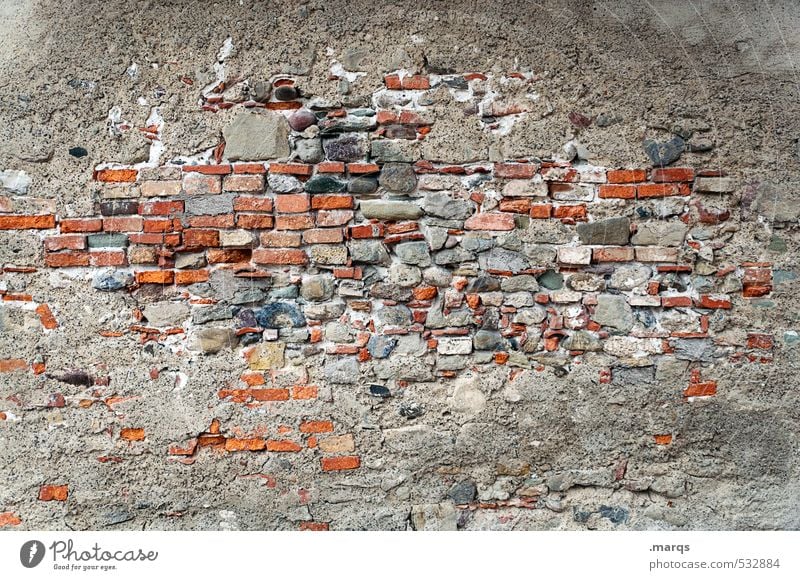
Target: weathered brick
x=200 y=184
x=197 y=238
x=216 y=256
x=10 y=365
x=293 y=203
x=294 y=222
x=276 y=256
x=186 y=277
x=53 y=493
x=657 y=190
x=69 y=242
x=252 y=204
x=211 y=221
x=515 y=170
x=332 y=218
x=613 y=254
x=668 y=174
x=160 y=188
x=656 y=254
x=161 y=207
x=254 y=221
x=490 y=221
x=108 y=258
x=122 y=224
x=323 y=236
x=300 y=169
x=223 y=169
x=275 y=239
x=244 y=183
x=67 y=259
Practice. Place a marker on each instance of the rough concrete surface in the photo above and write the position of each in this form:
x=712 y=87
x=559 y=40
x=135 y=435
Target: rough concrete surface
x=413 y=345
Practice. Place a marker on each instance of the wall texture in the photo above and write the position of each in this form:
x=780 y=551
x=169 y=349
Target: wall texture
x=399 y=266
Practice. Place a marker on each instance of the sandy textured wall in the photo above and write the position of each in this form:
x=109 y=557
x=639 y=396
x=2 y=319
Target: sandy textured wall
x=380 y=266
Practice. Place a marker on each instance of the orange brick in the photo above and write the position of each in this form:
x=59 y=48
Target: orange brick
x=208 y=169
x=657 y=190
x=10 y=365
x=330 y=167
x=283 y=446
x=245 y=445
x=67 y=259
x=617 y=191
x=304 y=392
x=760 y=341
x=53 y=493
x=676 y=301
x=577 y=212
x=363 y=168
x=11 y=519
x=541 y=211
x=249 y=168
x=626 y=175
x=81 y=225
x=316 y=427
x=132 y=434
x=425 y=292
x=331 y=201
x=416 y=82
x=252 y=221
x=253 y=379
x=116 y=175
x=186 y=277
x=269 y=394
x=217 y=256
x=393 y=82
x=490 y=221
x=197 y=238
x=665 y=439
x=666 y=174
x=340 y=463
x=279 y=256
x=294 y=222
x=155 y=277
x=27 y=222
x=711 y=301
x=704 y=389
x=314 y=527
x=515 y=205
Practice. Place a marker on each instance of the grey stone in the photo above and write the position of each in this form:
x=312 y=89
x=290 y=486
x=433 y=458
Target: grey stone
x=551 y=280
x=506 y=260
x=326 y=311
x=369 y=252
x=203 y=314
x=406 y=368
x=347 y=148
x=660 y=233
x=164 y=314
x=280 y=315
x=436 y=276
x=285 y=93
x=614 y=311
x=453 y=256
x=15 y=181
x=281 y=183
x=488 y=340
x=585 y=282
x=210 y=204
x=386 y=151
x=380 y=346
x=253 y=136
x=317 y=288
x=110 y=280
x=629 y=277
x=582 y=340
x=483 y=284
x=610 y=232
x=522 y=283
x=446 y=206
x=390 y=210
x=477 y=241
x=463 y=492
x=309 y=150
x=362 y=185
x=404 y=275
x=397 y=316
x=342 y=371
x=415 y=253
x=664 y=152
x=696 y=349
x=532 y=315
x=398 y=178
x=390 y=291
x=335 y=125
x=714 y=184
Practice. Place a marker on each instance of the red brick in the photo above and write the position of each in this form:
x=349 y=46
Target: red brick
x=252 y=204
x=340 y=463
x=304 y=392
x=664 y=439
x=332 y=218
x=490 y=221
x=612 y=254
x=197 y=238
x=756 y=276
x=323 y=236
x=186 y=277
x=704 y=389
x=416 y=82
x=666 y=174
x=316 y=427
x=294 y=222
x=122 y=224
x=156 y=239
x=155 y=277
x=160 y=207
x=756 y=291
x=577 y=212
x=252 y=168
x=366 y=231
x=330 y=167
x=53 y=493
x=108 y=258
x=515 y=205
x=71 y=242
x=27 y=222
x=253 y=221
x=541 y=211
x=46 y=317
x=515 y=170
x=712 y=301
x=156 y=226
x=293 y=203
x=116 y=175
x=331 y=202
x=132 y=434
x=393 y=82
x=657 y=190
x=291 y=168
x=281 y=239
x=676 y=301
x=617 y=191
x=208 y=169
x=67 y=259
x=349 y=273
x=283 y=446
x=81 y=225
x=10 y=365
x=626 y=175
x=269 y=394
x=362 y=168
x=312 y=526
x=271 y=256
x=760 y=341
x=249 y=183
x=228 y=256
x=211 y=221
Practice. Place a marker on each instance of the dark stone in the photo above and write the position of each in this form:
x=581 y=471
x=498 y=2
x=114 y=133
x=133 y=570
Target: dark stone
x=389 y=291
x=246 y=318
x=362 y=185
x=345 y=124
x=280 y=315
x=458 y=83
x=400 y=132
x=398 y=178
x=551 y=280
x=261 y=91
x=610 y=232
x=111 y=280
x=302 y=119
x=250 y=338
x=488 y=340
x=483 y=284
x=411 y=410
x=347 y=148
x=75 y=377
x=119 y=207
x=617 y=515
x=580 y=515
x=285 y=93
x=379 y=391
x=381 y=346
x=78 y=152
x=664 y=152
x=463 y=492
x=324 y=184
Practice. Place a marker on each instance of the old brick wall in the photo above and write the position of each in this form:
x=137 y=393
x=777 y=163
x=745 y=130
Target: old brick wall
x=360 y=297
